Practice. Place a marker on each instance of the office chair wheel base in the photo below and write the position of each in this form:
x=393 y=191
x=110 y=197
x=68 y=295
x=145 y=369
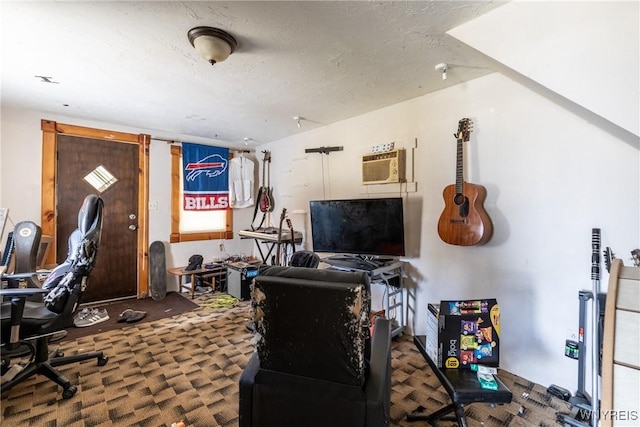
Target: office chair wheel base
x=102 y=360
x=69 y=392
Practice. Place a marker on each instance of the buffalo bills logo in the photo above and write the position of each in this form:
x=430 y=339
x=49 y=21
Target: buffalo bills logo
x=212 y=165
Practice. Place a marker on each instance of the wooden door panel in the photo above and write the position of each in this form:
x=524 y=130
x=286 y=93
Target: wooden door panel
x=115 y=273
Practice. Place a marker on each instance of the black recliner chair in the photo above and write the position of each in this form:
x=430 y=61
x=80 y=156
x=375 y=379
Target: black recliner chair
x=30 y=324
x=315 y=364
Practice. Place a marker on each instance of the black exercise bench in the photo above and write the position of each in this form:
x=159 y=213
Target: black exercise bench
x=463 y=388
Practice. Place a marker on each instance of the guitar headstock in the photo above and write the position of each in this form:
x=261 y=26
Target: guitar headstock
x=289 y=224
x=608 y=257
x=464 y=129
x=267 y=156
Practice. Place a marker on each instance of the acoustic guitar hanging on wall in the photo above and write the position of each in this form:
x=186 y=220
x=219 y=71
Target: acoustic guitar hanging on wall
x=464 y=221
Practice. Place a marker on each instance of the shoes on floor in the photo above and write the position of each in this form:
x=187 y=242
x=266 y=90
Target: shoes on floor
x=131 y=316
x=124 y=315
x=90 y=316
x=57 y=336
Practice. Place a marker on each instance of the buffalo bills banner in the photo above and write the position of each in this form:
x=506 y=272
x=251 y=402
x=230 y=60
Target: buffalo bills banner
x=205 y=171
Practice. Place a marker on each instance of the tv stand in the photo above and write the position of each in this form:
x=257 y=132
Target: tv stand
x=384 y=273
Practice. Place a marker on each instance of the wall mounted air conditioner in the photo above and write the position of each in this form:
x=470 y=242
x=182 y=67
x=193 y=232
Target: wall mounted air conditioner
x=384 y=168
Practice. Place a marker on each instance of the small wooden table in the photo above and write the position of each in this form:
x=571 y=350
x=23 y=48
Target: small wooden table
x=210 y=271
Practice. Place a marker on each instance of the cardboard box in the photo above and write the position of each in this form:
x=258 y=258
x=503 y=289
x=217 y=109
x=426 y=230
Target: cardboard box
x=468 y=333
x=432 y=331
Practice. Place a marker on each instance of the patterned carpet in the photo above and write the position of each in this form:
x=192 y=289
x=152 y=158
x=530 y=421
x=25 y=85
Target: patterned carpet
x=187 y=367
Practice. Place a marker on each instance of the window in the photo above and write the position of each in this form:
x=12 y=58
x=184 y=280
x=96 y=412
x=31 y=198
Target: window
x=100 y=179
x=193 y=225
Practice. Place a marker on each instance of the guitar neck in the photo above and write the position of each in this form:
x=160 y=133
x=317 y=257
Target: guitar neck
x=266 y=159
x=459 y=166
x=293 y=239
x=279 y=248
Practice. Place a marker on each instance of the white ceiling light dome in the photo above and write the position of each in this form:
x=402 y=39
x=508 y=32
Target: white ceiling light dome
x=213 y=44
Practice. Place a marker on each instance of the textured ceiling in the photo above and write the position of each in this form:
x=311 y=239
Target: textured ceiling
x=131 y=64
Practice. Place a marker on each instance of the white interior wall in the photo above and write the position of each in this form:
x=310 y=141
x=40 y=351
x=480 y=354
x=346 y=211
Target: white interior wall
x=20 y=174
x=586 y=51
x=550 y=176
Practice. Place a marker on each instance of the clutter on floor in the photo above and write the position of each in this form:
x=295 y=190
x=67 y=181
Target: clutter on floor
x=221 y=301
x=204 y=289
x=90 y=316
x=131 y=316
x=172 y=305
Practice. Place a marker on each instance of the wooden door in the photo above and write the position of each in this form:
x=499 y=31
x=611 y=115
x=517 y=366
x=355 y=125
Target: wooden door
x=115 y=273
x=71 y=154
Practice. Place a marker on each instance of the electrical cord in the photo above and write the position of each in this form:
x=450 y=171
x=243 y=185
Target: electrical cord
x=221 y=301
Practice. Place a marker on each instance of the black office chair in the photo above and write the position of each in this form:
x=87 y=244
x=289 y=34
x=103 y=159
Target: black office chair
x=25 y=323
x=27 y=235
x=7 y=255
x=24 y=250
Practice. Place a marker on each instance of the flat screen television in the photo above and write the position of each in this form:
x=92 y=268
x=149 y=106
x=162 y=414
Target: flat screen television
x=370 y=227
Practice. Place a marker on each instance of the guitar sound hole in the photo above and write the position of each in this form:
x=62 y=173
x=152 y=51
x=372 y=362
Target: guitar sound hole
x=463 y=202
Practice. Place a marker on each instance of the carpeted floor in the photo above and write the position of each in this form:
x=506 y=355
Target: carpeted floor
x=186 y=367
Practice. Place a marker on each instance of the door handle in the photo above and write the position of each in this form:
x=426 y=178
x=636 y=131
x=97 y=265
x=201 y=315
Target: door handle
x=133 y=227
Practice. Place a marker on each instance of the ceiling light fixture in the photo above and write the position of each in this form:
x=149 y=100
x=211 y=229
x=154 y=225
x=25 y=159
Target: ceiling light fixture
x=212 y=44
x=298 y=119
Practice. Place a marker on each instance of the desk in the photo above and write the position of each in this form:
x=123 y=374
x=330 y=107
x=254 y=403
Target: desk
x=463 y=388
x=216 y=270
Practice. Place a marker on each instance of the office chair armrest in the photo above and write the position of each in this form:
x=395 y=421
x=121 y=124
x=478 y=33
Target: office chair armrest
x=33 y=279
x=18 y=298
x=22 y=292
x=19 y=276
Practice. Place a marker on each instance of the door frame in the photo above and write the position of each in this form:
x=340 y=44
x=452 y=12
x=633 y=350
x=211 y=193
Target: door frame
x=50 y=130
